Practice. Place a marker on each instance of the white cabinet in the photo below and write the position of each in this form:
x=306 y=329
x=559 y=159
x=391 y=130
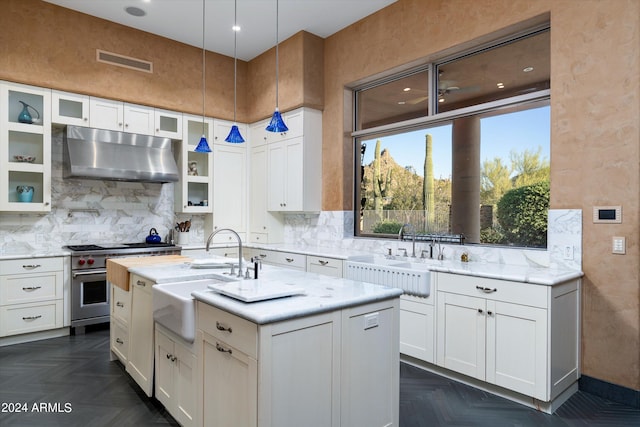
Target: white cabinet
x=120 y=316
x=31 y=295
x=264 y=226
x=230 y=181
x=121 y=116
x=295 y=121
x=501 y=332
x=325 y=265
x=290 y=260
x=194 y=191
x=25 y=148
x=168 y=124
x=417 y=327
x=322 y=370
x=140 y=357
x=294 y=164
x=175 y=364
x=69 y=108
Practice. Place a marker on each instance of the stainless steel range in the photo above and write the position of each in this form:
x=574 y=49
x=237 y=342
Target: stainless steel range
x=90 y=291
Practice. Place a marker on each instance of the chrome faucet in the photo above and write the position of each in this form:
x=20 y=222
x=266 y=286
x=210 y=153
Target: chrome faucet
x=239 y=247
x=413 y=237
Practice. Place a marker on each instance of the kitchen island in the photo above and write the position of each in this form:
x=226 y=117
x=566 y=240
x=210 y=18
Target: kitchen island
x=326 y=357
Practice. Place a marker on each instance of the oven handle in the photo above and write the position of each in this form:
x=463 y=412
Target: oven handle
x=89 y=273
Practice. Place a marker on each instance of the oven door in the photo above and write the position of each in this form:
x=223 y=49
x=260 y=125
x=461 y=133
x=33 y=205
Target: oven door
x=89 y=297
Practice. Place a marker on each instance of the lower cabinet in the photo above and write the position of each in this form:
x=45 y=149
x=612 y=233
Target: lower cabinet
x=501 y=332
x=119 y=328
x=290 y=260
x=175 y=363
x=140 y=360
x=324 y=265
x=417 y=327
x=322 y=370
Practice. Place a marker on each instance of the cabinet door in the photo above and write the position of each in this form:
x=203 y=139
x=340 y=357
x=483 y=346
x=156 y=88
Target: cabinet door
x=461 y=334
x=417 y=324
x=517 y=348
x=106 y=114
x=294 y=175
x=184 y=386
x=168 y=124
x=140 y=365
x=230 y=179
x=230 y=385
x=277 y=164
x=139 y=119
x=323 y=265
x=69 y=108
x=164 y=370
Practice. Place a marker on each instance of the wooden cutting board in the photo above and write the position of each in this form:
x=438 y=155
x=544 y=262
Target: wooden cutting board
x=118 y=268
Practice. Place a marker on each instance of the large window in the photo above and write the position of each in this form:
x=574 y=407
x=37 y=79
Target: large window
x=459 y=149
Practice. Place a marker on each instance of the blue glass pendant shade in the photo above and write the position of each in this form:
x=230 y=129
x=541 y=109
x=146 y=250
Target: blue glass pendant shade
x=234 y=135
x=277 y=124
x=203 y=146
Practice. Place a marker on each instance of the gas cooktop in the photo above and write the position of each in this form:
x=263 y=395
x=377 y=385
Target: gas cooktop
x=144 y=245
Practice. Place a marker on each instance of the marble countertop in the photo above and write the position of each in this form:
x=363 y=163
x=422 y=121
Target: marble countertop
x=322 y=293
x=338 y=253
x=20 y=250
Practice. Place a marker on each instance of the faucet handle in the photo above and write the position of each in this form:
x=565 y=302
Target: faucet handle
x=403 y=249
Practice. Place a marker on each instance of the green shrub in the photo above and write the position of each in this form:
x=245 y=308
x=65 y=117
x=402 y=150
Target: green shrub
x=387 y=227
x=522 y=214
x=492 y=235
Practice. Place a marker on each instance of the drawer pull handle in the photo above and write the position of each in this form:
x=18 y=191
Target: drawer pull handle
x=119 y=341
x=221 y=327
x=171 y=357
x=289 y=259
x=119 y=304
x=141 y=283
x=222 y=349
x=480 y=311
x=263 y=256
x=487 y=290
x=489 y=313
x=31 y=288
x=323 y=262
x=32 y=317
x=30 y=266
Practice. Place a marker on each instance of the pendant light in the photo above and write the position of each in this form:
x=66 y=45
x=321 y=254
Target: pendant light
x=203 y=146
x=234 y=135
x=277 y=124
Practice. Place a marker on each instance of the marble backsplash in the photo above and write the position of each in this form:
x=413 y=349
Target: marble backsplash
x=90 y=211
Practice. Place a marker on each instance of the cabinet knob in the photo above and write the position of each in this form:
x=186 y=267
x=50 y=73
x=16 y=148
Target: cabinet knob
x=480 y=311
x=119 y=304
x=85 y=119
x=119 y=341
x=141 y=283
x=489 y=312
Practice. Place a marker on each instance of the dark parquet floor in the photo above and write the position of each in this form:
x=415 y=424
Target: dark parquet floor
x=73 y=378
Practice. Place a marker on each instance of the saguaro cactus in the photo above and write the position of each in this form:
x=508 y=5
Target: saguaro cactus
x=380 y=186
x=428 y=193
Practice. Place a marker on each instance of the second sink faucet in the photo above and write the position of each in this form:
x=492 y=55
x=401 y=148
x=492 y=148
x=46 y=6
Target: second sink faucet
x=413 y=237
x=239 y=247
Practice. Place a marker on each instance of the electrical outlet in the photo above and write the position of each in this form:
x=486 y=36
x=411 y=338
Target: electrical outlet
x=568 y=252
x=619 y=245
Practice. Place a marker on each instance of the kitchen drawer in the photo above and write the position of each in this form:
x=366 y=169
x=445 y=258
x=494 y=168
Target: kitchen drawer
x=233 y=330
x=24 y=318
x=120 y=304
x=324 y=265
x=120 y=340
x=230 y=252
x=284 y=259
x=258 y=238
x=31 y=265
x=494 y=289
x=26 y=288
x=141 y=283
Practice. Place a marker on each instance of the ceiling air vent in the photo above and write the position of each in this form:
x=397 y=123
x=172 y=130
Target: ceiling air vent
x=124 y=61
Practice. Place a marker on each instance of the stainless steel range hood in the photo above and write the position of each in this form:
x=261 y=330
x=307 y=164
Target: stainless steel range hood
x=104 y=154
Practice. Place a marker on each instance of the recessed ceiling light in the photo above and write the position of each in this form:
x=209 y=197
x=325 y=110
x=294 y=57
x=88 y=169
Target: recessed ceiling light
x=401 y=102
x=500 y=85
x=406 y=89
x=441 y=100
x=135 y=11
x=527 y=69
x=236 y=28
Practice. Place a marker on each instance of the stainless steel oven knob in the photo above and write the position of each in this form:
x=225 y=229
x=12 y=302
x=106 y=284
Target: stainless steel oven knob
x=90 y=261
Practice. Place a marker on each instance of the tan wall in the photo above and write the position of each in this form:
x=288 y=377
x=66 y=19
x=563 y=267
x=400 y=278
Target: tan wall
x=595 y=109
x=595 y=134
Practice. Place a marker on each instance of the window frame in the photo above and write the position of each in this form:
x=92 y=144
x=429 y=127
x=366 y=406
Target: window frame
x=433 y=118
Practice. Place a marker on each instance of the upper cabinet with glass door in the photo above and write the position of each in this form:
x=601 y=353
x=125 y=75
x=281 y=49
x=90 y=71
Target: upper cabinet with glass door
x=69 y=108
x=25 y=142
x=194 y=191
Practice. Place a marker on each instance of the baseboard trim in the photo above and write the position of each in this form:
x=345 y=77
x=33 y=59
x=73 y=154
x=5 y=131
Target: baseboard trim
x=33 y=336
x=613 y=392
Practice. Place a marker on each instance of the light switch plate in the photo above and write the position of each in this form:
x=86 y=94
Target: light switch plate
x=619 y=245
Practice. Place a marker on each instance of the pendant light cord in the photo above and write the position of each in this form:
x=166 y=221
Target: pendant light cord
x=235 y=58
x=203 y=66
x=277 y=61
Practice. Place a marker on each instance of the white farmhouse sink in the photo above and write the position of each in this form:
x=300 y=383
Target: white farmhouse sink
x=175 y=308
x=411 y=275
